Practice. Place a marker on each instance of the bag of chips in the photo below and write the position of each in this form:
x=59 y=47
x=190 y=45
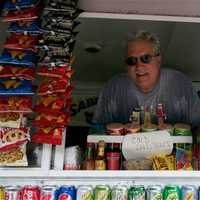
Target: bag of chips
x=53 y=86
x=17 y=72
x=11 y=120
x=13 y=137
x=17 y=104
x=60 y=24
x=68 y=12
x=18 y=57
x=48 y=135
x=25 y=26
x=22 y=14
x=14 y=157
x=55 y=51
x=19 y=4
x=20 y=41
x=56 y=72
x=50 y=104
x=11 y=87
x=62 y=4
x=51 y=38
x=60 y=119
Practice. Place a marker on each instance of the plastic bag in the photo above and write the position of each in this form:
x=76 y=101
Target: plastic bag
x=8 y=71
x=18 y=57
x=11 y=87
x=13 y=137
x=48 y=135
x=17 y=104
x=21 y=42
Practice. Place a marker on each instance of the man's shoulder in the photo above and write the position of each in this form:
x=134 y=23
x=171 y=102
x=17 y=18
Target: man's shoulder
x=119 y=78
x=174 y=75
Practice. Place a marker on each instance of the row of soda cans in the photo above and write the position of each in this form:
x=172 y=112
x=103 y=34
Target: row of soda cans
x=99 y=192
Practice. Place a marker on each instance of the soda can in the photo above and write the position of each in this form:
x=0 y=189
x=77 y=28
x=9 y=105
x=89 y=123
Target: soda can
x=84 y=192
x=48 y=192
x=189 y=192
x=2 y=193
x=65 y=192
x=12 y=192
x=154 y=192
x=102 y=192
x=30 y=192
x=172 y=192
x=119 y=192
x=137 y=192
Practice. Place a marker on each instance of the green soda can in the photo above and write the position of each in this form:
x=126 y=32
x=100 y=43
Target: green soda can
x=102 y=192
x=137 y=192
x=154 y=192
x=172 y=192
x=119 y=192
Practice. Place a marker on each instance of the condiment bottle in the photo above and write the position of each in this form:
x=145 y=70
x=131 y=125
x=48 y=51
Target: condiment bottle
x=89 y=163
x=113 y=156
x=100 y=162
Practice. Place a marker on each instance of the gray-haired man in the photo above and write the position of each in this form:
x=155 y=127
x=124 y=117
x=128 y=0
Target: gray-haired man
x=147 y=85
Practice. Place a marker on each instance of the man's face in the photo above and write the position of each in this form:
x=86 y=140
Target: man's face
x=145 y=75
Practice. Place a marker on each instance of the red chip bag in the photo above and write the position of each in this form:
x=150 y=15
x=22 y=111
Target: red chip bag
x=17 y=72
x=53 y=86
x=68 y=91
x=13 y=137
x=55 y=72
x=48 y=135
x=21 y=42
x=17 y=104
x=22 y=14
x=50 y=103
x=59 y=119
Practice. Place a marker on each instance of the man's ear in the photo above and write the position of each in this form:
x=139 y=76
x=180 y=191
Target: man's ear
x=159 y=59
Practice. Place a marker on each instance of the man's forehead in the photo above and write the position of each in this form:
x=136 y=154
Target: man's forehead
x=140 y=46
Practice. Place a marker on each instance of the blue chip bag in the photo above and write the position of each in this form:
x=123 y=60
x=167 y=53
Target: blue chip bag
x=25 y=26
x=18 y=57
x=11 y=87
x=18 y=4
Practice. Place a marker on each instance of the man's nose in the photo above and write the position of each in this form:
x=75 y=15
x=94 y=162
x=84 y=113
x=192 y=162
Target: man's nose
x=138 y=63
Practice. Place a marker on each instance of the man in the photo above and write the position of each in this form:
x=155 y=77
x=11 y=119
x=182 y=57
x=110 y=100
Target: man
x=146 y=85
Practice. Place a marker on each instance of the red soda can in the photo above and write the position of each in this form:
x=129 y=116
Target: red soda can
x=12 y=192
x=30 y=192
x=48 y=192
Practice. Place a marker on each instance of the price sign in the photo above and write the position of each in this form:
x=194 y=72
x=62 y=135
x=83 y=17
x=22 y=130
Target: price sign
x=144 y=145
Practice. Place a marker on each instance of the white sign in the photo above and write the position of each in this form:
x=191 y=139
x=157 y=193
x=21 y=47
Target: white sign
x=145 y=145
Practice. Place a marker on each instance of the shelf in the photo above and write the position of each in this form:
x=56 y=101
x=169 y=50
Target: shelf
x=119 y=139
x=23 y=173
x=139 y=17
x=80 y=174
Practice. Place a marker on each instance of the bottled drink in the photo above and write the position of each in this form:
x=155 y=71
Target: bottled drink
x=113 y=156
x=89 y=163
x=100 y=163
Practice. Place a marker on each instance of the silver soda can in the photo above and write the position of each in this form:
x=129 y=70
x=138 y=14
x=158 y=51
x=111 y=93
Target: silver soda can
x=48 y=192
x=154 y=192
x=189 y=192
x=12 y=192
x=84 y=192
x=119 y=192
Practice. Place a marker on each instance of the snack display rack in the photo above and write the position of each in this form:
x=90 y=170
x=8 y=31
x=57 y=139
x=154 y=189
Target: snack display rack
x=46 y=175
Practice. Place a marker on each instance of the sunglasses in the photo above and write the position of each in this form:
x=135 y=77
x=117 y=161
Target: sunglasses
x=146 y=58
